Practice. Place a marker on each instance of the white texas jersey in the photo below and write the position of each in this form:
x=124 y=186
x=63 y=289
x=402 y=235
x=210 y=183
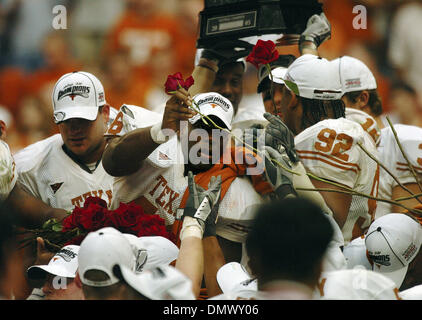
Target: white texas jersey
x=8 y=174
x=329 y=150
x=355 y=284
x=158 y=186
x=390 y=155
x=367 y=122
x=49 y=174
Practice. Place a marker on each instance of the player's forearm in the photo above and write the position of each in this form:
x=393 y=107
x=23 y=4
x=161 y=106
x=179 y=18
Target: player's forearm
x=29 y=211
x=124 y=155
x=213 y=261
x=191 y=262
x=204 y=76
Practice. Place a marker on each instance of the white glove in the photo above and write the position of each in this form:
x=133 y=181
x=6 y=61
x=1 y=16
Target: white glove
x=318 y=29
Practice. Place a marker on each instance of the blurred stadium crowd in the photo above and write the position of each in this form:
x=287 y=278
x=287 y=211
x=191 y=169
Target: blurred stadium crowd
x=132 y=45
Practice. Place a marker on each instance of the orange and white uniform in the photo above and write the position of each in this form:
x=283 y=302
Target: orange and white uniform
x=391 y=156
x=367 y=122
x=49 y=174
x=160 y=183
x=330 y=150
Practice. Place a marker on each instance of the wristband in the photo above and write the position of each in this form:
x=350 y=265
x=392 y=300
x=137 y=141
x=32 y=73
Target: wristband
x=191 y=228
x=157 y=134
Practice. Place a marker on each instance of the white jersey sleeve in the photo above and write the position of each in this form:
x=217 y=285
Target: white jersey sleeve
x=330 y=150
x=132 y=117
x=391 y=156
x=8 y=174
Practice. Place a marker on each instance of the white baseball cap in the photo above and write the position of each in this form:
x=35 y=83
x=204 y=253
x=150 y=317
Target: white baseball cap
x=160 y=283
x=313 y=77
x=77 y=95
x=233 y=277
x=101 y=250
x=63 y=264
x=152 y=251
x=355 y=75
x=213 y=104
x=355 y=284
x=393 y=241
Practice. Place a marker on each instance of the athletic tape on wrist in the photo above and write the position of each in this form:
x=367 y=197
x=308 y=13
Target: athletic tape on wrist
x=157 y=134
x=191 y=228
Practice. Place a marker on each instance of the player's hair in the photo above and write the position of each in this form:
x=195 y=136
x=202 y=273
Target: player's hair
x=316 y=110
x=119 y=290
x=288 y=240
x=374 y=101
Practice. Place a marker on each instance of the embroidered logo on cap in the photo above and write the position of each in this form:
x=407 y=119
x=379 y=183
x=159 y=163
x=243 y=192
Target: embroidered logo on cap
x=66 y=254
x=74 y=90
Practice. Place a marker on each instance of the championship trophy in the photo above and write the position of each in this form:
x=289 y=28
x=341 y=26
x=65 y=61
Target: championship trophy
x=231 y=23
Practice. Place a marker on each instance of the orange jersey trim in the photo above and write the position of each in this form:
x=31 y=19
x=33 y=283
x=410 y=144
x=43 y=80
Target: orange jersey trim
x=329 y=157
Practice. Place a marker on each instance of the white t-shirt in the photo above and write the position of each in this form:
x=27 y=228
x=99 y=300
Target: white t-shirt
x=8 y=173
x=355 y=284
x=414 y=293
x=390 y=155
x=160 y=183
x=329 y=150
x=49 y=174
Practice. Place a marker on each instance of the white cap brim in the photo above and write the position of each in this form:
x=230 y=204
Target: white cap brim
x=172 y=286
x=278 y=75
x=160 y=250
x=54 y=270
x=210 y=112
x=233 y=277
x=397 y=276
x=87 y=113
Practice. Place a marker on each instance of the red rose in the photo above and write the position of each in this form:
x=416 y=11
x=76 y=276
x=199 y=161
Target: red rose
x=73 y=220
x=93 y=217
x=126 y=217
x=263 y=52
x=95 y=200
x=175 y=81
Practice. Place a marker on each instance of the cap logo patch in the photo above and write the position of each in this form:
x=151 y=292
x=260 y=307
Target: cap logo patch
x=409 y=252
x=326 y=94
x=66 y=254
x=101 y=97
x=74 y=90
x=383 y=259
x=141 y=259
x=215 y=101
x=353 y=83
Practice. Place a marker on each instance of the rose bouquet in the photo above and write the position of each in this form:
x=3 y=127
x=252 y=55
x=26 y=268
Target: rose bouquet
x=94 y=215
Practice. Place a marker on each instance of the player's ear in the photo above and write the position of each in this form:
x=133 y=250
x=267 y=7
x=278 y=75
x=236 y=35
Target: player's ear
x=363 y=99
x=105 y=110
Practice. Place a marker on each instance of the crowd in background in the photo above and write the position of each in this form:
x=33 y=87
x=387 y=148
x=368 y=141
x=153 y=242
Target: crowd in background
x=132 y=45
